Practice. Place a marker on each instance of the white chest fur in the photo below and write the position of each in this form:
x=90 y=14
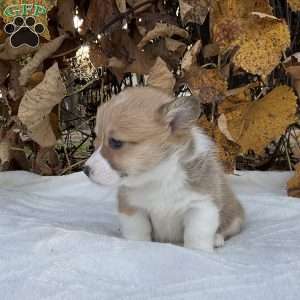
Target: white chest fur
x=165 y=200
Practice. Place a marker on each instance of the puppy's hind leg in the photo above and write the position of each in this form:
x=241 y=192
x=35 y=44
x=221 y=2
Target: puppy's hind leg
x=201 y=222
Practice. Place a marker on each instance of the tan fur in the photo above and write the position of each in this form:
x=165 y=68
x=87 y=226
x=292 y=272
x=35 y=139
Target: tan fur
x=140 y=117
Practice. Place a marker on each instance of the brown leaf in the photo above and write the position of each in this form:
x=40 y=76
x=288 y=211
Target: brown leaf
x=7 y=52
x=37 y=104
x=162 y=30
x=4 y=70
x=65 y=15
x=46 y=162
x=227 y=150
x=4 y=154
x=160 y=77
x=16 y=91
x=97 y=57
x=99 y=14
x=123 y=55
x=253 y=125
x=194 y=11
x=44 y=52
x=175 y=46
x=293 y=185
x=189 y=59
x=208 y=84
x=121 y=4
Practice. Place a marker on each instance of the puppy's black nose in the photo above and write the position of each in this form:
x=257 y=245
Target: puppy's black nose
x=86 y=170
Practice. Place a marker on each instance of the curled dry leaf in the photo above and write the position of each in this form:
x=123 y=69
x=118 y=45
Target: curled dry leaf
x=227 y=150
x=250 y=26
x=293 y=185
x=208 y=84
x=175 y=46
x=161 y=77
x=65 y=15
x=189 y=59
x=294 y=5
x=99 y=14
x=44 y=52
x=37 y=104
x=162 y=30
x=194 y=11
x=253 y=125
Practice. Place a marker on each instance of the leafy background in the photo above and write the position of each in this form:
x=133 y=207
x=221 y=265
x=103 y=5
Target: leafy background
x=241 y=58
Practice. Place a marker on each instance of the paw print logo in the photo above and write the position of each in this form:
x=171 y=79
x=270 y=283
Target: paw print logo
x=24 y=31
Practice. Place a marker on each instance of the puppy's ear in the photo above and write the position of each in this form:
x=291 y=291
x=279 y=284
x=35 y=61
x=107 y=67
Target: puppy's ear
x=181 y=113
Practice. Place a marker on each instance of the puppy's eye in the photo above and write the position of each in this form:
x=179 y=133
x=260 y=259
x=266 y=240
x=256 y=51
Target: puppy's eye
x=115 y=144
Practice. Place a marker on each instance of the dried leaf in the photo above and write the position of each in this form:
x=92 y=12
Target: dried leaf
x=227 y=150
x=250 y=27
x=97 y=57
x=46 y=162
x=2 y=36
x=37 y=104
x=99 y=14
x=190 y=58
x=253 y=125
x=4 y=70
x=44 y=52
x=293 y=185
x=294 y=5
x=175 y=46
x=194 y=11
x=16 y=91
x=294 y=72
x=162 y=30
x=208 y=84
x=211 y=50
x=160 y=77
x=262 y=45
x=121 y=4
x=120 y=52
x=4 y=154
x=7 y=52
x=65 y=15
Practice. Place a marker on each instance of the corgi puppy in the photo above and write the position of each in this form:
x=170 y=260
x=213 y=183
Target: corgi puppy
x=171 y=188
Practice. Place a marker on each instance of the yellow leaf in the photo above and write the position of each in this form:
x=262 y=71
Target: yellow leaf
x=249 y=26
x=37 y=104
x=208 y=84
x=294 y=5
x=253 y=125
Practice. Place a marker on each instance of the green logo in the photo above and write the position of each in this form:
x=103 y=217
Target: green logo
x=25 y=10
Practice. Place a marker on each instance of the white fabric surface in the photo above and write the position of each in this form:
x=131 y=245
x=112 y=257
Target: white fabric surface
x=59 y=239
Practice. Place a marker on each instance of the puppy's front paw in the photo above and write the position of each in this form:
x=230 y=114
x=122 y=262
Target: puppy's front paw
x=200 y=244
x=219 y=240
